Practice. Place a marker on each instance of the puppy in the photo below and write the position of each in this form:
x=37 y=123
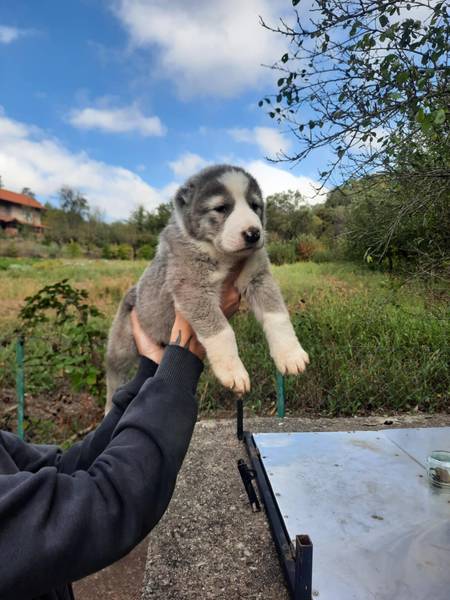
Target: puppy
x=217 y=222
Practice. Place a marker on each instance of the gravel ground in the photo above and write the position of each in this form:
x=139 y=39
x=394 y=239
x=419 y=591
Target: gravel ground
x=209 y=545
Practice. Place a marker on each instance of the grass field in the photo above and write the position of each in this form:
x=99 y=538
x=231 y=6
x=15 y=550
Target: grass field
x=374 y=344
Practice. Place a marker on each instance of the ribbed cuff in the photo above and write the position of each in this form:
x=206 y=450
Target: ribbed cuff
x=123 y=396
x=147 y=368
x=180 y=367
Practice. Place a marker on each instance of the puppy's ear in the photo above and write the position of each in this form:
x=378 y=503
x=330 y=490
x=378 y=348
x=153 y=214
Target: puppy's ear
x=184 y=196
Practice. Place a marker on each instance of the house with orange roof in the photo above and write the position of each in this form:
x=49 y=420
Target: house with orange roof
x=19 y=211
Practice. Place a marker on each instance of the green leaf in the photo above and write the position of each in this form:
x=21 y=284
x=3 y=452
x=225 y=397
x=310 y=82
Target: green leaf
x=439 y=117
x=91 y=378
x=420 y=116
x=384 y=20
x=402 y=77
x=285 y=58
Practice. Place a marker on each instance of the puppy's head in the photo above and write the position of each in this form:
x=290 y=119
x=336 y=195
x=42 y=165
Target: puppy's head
x=223 y=206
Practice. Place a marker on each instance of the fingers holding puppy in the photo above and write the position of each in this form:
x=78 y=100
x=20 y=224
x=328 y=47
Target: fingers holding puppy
x=146 y=346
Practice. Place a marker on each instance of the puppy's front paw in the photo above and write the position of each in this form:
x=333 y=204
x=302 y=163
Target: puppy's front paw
x=232 y=374
x=290 y=359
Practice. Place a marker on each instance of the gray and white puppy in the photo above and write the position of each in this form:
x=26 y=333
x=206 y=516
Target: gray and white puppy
x=218 y=221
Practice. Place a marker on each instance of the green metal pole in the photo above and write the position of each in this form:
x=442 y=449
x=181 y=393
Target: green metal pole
x=20 y=386
x=280 y=395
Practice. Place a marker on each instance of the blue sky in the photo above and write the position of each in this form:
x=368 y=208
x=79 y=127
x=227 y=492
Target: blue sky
x=123 y=99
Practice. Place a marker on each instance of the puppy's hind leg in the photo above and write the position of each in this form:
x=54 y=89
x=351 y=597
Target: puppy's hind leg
x=121 y=352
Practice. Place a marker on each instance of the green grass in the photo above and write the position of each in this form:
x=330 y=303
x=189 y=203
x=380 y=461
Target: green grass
x=375 y=345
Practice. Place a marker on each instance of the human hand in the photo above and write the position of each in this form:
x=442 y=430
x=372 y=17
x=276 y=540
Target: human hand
x=231 y=296
x=144 y=343
x=231 y=299
x=183 y=335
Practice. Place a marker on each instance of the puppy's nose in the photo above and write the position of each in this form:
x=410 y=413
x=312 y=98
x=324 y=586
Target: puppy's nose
x=251 y=235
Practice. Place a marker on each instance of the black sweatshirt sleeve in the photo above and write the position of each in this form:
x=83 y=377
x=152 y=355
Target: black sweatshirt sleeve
x=32 y=457
x=56 y=527
x=82 y=454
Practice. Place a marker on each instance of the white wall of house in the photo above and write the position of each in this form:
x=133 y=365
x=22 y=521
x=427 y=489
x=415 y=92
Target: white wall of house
x=25 y=214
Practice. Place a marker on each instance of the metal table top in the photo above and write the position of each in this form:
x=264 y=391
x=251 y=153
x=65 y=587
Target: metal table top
x=379 y=529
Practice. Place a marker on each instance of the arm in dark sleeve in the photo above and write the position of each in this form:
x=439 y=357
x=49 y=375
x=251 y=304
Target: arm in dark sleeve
x=32 y=457
x=82 y=454
x=56 y=528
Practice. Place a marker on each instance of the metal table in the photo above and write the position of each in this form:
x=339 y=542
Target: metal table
x=380 y=530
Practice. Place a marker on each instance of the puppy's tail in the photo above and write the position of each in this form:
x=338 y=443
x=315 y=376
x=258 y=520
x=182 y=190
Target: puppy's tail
x=121 y=350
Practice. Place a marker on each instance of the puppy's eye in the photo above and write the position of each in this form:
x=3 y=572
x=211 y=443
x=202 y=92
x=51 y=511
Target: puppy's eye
x=254 y=206
x=220 y=209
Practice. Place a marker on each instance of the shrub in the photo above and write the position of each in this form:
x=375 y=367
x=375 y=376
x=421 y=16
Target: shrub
x=72 y=250
x=110 y=251
x=124 y=252
x=9 y=249
x=93 y=251
x=53 y=250
x=33 y=249
x=66 y=337
x=307 y=245
x=282 y=252
x=323 y=255
x=146 y=252
x=28 y=248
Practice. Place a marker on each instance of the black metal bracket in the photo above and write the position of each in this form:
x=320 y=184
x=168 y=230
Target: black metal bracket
x=247 y=475
x=296 y=562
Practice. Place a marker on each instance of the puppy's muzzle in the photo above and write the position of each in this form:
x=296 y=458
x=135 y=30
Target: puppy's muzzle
x=251 y=235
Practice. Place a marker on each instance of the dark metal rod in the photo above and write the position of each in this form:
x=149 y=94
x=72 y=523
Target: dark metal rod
x=240 y=419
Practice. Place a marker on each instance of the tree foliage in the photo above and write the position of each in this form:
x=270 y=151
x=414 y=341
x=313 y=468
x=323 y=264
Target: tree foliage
x=370 y=79
x=76 y=223
x=287 y=215
x=28 y=192
x=74 y=204
x=358 y=73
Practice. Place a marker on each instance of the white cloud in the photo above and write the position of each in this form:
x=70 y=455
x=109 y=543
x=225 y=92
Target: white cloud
x=206 y=47
x=10 y=34
x=270 y=141
x=273 y=180
x=30 y=158
x=187 y=164
x=117 y=120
